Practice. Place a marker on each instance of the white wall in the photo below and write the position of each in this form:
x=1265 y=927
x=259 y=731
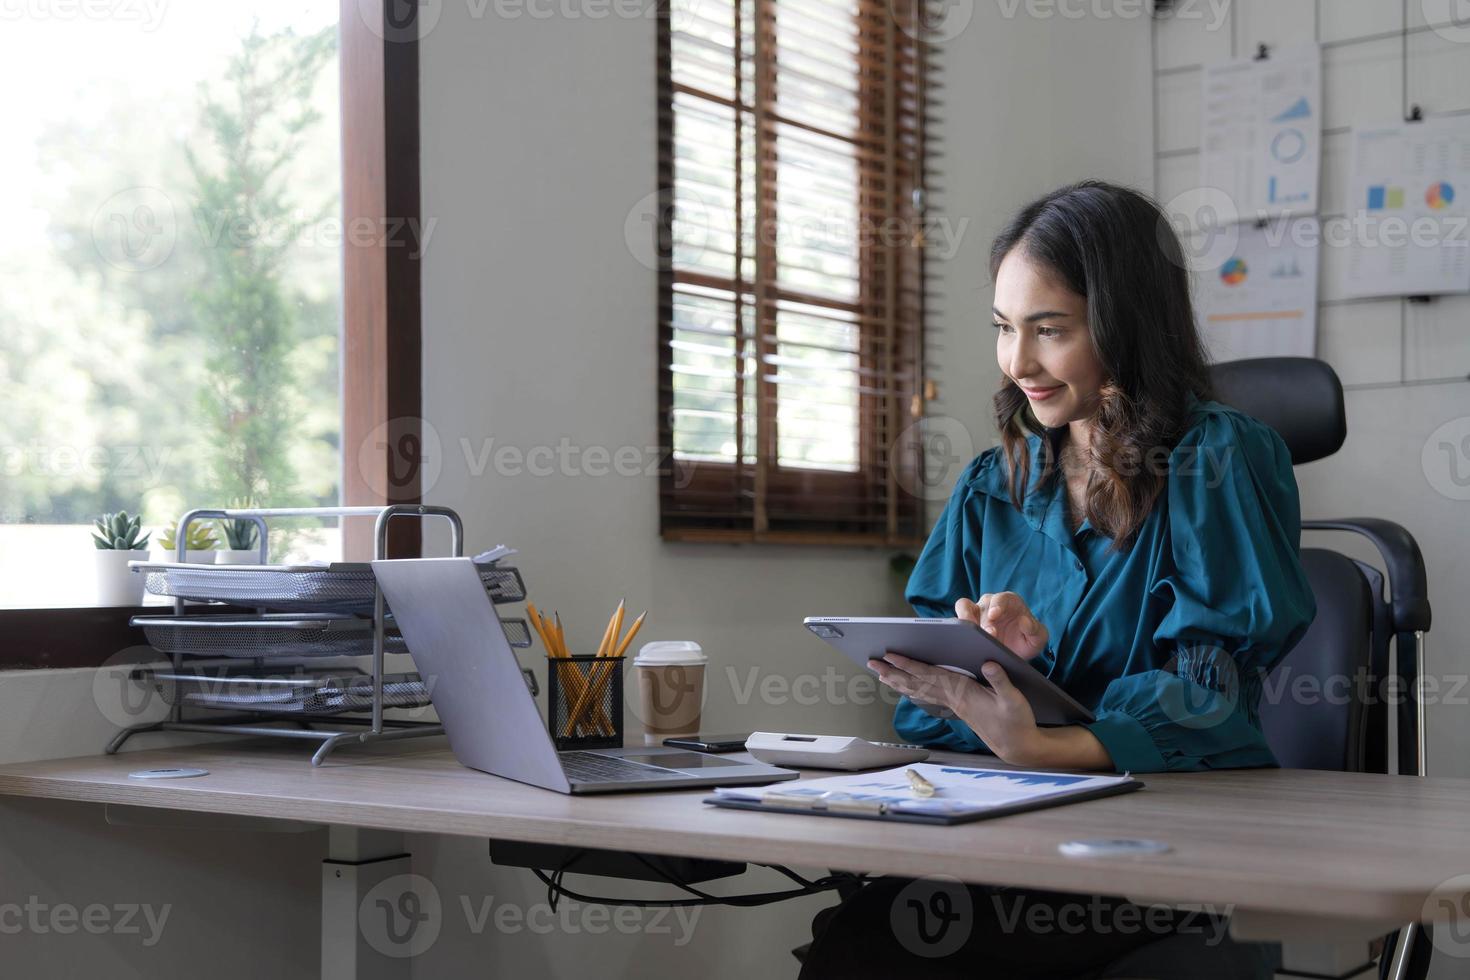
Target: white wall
x=539 y=326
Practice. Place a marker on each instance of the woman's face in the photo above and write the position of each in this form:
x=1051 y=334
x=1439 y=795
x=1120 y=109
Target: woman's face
x=1042 y=342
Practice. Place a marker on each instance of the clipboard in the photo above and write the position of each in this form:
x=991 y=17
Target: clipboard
x=941 y=810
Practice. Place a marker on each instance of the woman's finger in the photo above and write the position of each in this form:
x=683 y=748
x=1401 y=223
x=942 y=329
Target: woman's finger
x=946 y=685
x=918 y=679
x=972 y=610
x=1000 y=681
x=1009 y=609
x=904 y=684
x=1005 y=695
x=1003 y=606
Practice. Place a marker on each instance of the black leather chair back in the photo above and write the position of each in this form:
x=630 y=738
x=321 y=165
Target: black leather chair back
x=1299 y=397
x=1313 y=708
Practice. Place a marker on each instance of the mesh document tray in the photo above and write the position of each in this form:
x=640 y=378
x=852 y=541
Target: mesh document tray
x=334 y=696
x=282 y=635
x=344 y=587
x=302 y=692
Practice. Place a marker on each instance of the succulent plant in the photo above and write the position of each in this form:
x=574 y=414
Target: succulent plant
x=240 y=535
x=118 y=532
x=201 y=537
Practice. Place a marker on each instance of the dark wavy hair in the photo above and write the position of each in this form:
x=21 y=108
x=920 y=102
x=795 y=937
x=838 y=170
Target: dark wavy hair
x=1114 y=247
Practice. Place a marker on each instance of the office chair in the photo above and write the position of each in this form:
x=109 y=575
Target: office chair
x=1359 y=610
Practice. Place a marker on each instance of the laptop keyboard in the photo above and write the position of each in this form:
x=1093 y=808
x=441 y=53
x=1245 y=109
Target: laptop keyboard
x=587 y=767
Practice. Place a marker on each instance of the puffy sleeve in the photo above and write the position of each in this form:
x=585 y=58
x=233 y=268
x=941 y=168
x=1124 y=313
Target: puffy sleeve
x=940 y=578
x=1235 y=601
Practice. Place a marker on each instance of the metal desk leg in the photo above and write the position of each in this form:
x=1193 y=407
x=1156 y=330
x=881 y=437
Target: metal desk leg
x=1403 y=952
x=372 y=918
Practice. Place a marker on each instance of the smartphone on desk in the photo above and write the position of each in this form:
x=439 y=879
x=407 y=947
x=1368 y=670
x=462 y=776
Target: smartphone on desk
x=709 y=743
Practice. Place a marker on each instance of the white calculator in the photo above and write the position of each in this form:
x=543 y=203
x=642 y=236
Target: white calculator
x=830 y=751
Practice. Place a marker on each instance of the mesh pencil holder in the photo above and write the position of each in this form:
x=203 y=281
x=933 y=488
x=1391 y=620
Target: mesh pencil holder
x=584 y=703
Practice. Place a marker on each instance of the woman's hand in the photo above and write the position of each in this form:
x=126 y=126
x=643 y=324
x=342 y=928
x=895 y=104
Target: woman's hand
x=995 y=710
x=1005 y=616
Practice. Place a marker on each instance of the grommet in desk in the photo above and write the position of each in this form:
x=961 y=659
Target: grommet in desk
x=173 y=773
x=1113 y=847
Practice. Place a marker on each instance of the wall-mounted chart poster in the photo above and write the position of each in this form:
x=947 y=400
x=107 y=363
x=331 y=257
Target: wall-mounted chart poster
x=1262 y=300
x=1263 y=132
x=1408 y=210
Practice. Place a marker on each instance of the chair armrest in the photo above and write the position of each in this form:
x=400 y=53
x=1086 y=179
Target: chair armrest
x=1408 y=588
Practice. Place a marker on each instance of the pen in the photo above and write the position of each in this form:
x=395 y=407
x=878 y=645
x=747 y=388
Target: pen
x=921 y=786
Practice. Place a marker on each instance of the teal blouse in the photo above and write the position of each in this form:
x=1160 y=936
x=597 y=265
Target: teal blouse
x=1167 y=643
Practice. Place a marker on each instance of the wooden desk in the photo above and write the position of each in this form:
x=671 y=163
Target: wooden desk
x=1303 y=854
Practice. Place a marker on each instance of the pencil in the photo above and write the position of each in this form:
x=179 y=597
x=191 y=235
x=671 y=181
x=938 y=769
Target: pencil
x=617 y=625
x=540 y=628
x=609 y=635
x=632 y=632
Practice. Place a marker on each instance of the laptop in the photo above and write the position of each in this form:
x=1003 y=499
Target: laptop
x=454 y=636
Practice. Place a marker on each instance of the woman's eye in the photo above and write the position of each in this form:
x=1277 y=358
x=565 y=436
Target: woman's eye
x=1002 y=327
x=1047 y=332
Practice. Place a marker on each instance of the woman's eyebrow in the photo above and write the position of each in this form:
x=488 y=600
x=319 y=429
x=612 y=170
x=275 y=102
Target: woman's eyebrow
x=1033 y=317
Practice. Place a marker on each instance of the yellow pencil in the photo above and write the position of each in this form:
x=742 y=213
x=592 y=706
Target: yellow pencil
x=540 y=628
x=632 y=632
x=617 y=626
x=608 y=635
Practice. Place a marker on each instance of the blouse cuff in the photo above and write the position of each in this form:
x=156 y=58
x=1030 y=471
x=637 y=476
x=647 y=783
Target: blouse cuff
x=1127 y=742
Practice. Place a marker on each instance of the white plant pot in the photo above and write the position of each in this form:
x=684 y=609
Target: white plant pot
x=193 y=556
x=118 y=585
x=237 y=556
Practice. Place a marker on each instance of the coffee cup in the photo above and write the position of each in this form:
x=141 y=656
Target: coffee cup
x=670 y=688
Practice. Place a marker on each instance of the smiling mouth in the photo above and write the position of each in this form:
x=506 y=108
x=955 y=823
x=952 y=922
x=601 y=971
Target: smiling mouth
x=1036 y=394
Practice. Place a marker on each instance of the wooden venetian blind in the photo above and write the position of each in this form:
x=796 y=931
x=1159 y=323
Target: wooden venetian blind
x=791 y=270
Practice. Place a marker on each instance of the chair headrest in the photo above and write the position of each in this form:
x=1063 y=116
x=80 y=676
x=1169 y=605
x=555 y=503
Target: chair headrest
x=1299 y=397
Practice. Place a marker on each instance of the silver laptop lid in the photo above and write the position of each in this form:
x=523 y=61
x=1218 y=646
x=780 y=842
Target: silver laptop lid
x=457 y=643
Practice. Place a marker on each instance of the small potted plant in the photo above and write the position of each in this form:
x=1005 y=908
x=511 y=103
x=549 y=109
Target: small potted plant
x=242 y=539
x=119 y=539
x=198 y=548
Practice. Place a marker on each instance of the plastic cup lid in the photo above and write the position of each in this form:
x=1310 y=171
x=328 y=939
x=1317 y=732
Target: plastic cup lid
x=669 y=652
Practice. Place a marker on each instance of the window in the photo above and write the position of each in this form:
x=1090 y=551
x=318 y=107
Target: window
x=170 y=277
x=198 y=301
x=791 y=289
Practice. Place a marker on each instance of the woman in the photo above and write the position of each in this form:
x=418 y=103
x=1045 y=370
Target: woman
x=1137 y=541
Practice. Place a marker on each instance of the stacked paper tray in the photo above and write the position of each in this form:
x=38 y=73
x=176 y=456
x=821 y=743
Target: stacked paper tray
x=342 y=587
x=293 y=691
x=297 y=634
x=291 y=694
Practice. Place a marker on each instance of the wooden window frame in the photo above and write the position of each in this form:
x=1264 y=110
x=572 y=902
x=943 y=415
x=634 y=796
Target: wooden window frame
x=846 y=518
x=381 y=324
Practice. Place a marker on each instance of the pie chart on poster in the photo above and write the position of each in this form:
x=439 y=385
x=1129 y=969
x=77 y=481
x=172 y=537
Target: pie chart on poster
x=1288 y=146
x=1232 y=273
x=1439 y=196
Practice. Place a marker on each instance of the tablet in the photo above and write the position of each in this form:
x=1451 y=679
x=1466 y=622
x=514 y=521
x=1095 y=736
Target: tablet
x=956 y=644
